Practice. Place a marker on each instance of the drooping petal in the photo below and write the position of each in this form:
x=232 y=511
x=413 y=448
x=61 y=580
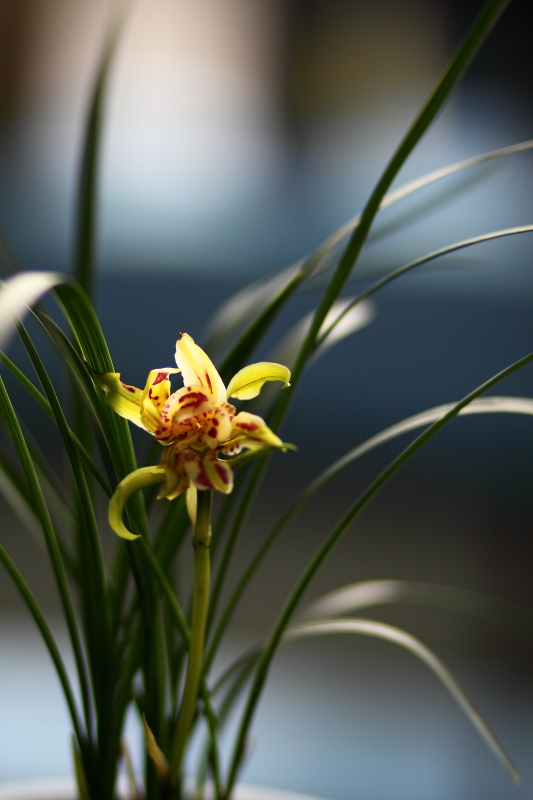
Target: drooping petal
x=251 y=431
x=197 y=367
x=248 y=382
x=155 y=395
x=208 y=472
x=128 y=486
x=220 y=474
x=124 y=399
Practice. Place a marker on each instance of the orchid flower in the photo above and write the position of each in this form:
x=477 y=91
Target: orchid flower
x=195 y=424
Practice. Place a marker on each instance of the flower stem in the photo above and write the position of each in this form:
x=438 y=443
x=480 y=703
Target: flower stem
x=201 y=542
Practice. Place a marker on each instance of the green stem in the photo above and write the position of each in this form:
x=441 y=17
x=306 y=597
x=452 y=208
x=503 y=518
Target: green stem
x=201 y=541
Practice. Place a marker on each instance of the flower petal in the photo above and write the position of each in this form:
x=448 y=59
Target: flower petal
x=196 y=367
x=218 y=429
x=251 y=431
x=155 y=395
x=209 y=472
x=248 y=382
x=124 y=399
x=128 y=486
x=219 y=473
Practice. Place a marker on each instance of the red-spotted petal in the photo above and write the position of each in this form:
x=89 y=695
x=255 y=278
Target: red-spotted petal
x=251 y=431
x=218 y=429
x=197 y=368
x=155 y=395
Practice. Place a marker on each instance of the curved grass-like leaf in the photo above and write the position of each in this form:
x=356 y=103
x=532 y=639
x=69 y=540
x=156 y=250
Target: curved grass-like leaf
x=94 y=594
x=45 y=405
x=352 y=315
x=242 y=306
x=87 y=190
x=457 y=66
x=14 y=493
x=48 y=639
x=356 y=596
x=473 y=40
x=329 y=327
x=315 y=563
x=380 y=630
x=50 y=536
x=485 y=405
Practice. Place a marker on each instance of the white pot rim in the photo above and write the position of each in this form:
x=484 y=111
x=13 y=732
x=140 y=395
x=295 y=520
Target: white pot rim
x=65 y=789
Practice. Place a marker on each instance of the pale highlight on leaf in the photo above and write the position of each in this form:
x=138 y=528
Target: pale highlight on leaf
x=249 y=381
x=131 y=484
x=356 y=596
x=18 y=294
x=124 y=399
x=481 y=405
x=353 y=319
x=389 y=633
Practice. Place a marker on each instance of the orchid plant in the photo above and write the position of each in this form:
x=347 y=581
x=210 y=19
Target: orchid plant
x=133 y=642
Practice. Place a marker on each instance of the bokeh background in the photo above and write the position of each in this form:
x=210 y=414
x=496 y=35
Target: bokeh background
x=237 y=136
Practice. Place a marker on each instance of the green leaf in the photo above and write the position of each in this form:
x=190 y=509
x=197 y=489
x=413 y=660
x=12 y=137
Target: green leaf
x=86 y=221
x=397 y=636
x=48 y=639
x=257 y=297
x=315 y=563
x=35 y=493
x=485 y=405
x=352 y=598
x=332 y=320
x=354 y=316
x=18 y=294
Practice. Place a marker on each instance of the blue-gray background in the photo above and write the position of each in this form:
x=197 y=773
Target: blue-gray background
x=237 y=136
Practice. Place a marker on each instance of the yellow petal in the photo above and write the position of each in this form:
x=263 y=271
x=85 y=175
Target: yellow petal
x=155 y=395
x=197 y=368
x=124 y=399
x=219 y=473
x=248 y=382
x=209 y=472
x=128 y=486
x=251 y=431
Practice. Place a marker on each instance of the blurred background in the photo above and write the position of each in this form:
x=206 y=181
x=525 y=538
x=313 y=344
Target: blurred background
x=237 y=136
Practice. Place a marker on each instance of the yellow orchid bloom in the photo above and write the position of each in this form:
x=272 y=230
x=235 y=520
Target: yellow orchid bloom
x=195 y=424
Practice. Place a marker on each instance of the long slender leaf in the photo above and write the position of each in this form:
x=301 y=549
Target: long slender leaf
x=241 y=307
x=48 y=638
x=397 y=636
x=356 y=596
x=45 y=405
x=329 y=326
x=460 y=61
x=94 y=596
x=306 y=577
x=8 y=413
x=485 y=405
x=86 y=222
